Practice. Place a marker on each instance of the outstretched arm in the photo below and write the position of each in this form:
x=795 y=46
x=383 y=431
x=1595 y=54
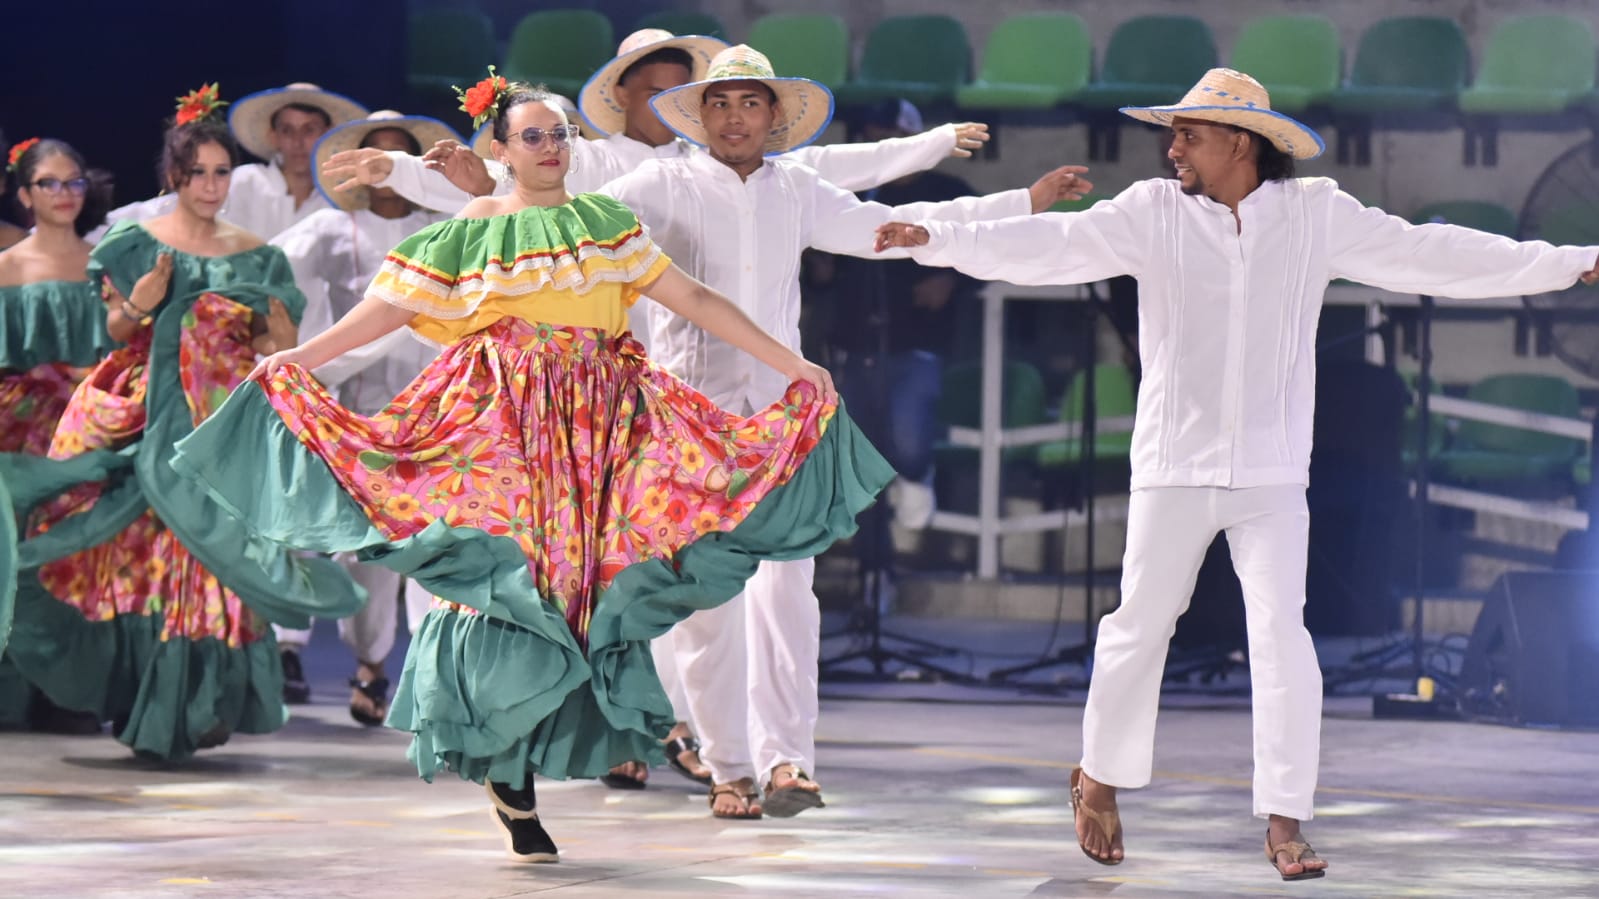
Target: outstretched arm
x=861 y=166
x=1054 y=248
x=845 y=224
x=1372 y=247
x=718 y=315
x=371 y=319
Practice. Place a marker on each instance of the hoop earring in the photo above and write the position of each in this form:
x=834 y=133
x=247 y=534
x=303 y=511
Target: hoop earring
x=572 y=166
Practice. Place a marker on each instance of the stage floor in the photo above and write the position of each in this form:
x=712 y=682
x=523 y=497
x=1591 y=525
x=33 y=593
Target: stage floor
x=932 y=791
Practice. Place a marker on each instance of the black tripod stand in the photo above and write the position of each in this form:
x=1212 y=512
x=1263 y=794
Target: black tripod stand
x=1087 y=439
x=875 y=541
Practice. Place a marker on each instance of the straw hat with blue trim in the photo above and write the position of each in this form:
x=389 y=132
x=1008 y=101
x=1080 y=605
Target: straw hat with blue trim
x=427 y=131
x=1230 y=97
x=600 y=107
x=250 y=117
x=805 y=107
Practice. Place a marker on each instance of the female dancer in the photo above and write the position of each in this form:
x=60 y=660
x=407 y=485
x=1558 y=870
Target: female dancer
x=567 y=499
x=135 y=614
x=51 y=325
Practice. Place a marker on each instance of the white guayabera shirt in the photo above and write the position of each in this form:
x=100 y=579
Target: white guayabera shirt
x=744 y=238
x=334 y=255
x=1227 y=316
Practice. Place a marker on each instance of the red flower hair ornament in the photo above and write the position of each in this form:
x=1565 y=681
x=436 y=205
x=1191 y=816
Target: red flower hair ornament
x=482 y=99
x=198 y=104
x=15 y=155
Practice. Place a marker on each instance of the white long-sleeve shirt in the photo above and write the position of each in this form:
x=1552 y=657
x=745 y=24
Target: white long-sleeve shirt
x=258 y=201
x=597 y=162
x=334 y=255
x=744 y=238
x=1227 y=316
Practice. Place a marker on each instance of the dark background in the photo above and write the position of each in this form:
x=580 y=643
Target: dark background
x=103 y=76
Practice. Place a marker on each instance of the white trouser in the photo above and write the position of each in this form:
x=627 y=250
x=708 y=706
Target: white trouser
x=370 y=632
x=1168 y=531
x=664 y=650
x=749 y=671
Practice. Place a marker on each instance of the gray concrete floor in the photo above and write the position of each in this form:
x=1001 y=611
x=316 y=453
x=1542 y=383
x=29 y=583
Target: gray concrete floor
x=932 y=791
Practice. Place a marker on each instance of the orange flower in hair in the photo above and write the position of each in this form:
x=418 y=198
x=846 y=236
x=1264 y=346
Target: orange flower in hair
x=479 y=100
x=198 y=104
x=15 y=155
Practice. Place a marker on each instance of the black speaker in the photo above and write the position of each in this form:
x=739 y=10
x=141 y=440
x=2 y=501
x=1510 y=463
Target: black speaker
x=1533 y=656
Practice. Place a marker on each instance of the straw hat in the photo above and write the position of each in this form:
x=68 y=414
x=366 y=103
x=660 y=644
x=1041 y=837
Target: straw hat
x=484 y=136
x=250 y=118
x=1233 y=98
x=806 y=106
x=348 y=136
x=601 y=109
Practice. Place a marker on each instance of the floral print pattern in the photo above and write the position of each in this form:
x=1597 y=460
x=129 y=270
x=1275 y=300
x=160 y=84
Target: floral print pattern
x=566 y=440
x=145 y=570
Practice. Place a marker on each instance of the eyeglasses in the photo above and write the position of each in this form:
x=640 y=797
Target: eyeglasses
x=532 y=138
x=77 y=186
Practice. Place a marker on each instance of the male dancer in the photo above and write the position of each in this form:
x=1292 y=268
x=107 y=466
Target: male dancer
x=739 y=221
x=615 y=103
x=1232 y=259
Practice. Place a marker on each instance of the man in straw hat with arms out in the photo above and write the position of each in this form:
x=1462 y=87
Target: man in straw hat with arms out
x=615 y=104
x=738 y=215
x=281 y=126
x=335 y=252
x=1232 y=259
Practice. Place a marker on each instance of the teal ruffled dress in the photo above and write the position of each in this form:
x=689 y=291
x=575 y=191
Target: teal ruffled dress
x=49 y=331
x=138 y=599
x=565 y=498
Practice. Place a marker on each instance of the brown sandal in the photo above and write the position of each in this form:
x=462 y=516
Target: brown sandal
x=1297 y=851
x=743 y=789
x=1109 y=821
x=790 y=801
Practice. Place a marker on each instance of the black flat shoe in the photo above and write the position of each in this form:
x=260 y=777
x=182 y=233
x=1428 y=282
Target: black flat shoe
x=377 y=690
x=516 y=814
x=295 y=689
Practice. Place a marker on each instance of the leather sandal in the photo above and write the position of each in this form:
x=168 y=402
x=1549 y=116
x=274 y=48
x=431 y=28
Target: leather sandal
x=677 y=747
x=1108 y=821
x=790 y=801
x=376 y=690
x=744 y=790
x=621 y=780
x=1298 y=851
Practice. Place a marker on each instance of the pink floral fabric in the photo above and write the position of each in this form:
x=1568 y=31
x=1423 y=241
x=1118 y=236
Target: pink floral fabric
x=566 y=440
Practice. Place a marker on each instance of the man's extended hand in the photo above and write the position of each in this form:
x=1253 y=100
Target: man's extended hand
x=1064 y=183
x=465 y=169
x=968 y=137
x=349 y=169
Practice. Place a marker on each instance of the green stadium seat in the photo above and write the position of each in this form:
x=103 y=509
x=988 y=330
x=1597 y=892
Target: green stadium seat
x=1115 y=396
x=683 y=22
x=804 y=45
x=559 y=48
x=1297 y=57
x=1407 y=65
x=1150 y=61
x=1484 y=452
x=922 y=59
x=1536 y=69
x=448 y=48
x=1483 y=216
x=1031 y=61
